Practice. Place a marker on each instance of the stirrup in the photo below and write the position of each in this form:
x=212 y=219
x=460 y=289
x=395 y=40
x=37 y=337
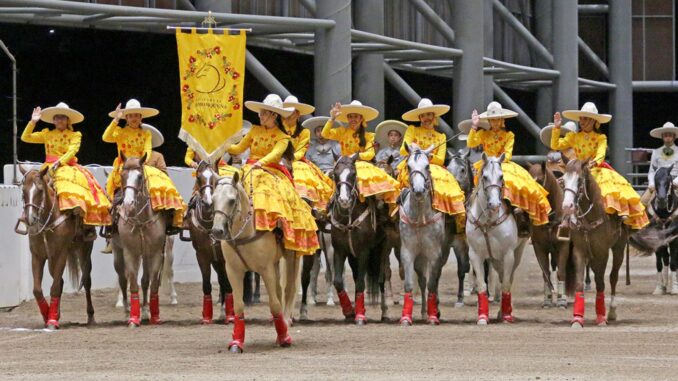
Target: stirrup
x=563 y=233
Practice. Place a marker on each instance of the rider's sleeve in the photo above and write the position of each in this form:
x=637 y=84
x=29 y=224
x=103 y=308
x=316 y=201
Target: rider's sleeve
x=601 y=149
x=654 y=162
x=28 y=136
x=475 y=138
x=407 y=139
x=328 y=132
x=302 y=146
x=508 y=146
x=558 y=143
x=148 y=144
x=237 y=149
x=73 y=148
x=188 y=158
x=111 y=133
x=276 y=153
x=438 y=154
x=368 y=154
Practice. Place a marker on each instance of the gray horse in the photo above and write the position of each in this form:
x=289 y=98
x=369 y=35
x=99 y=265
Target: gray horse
x=422 y=235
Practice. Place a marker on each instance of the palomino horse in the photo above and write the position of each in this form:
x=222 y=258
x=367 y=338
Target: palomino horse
x=422 y=238
x=53 y=236
x=391 y=240
x=199 y=219
x=493 y=235
x=356 y=237
x=139 y=239
x=593 y=233
x=545 y=239
x=247 y=249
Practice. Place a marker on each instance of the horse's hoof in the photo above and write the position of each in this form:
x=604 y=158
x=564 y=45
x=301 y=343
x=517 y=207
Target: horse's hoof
x=601 y=321
x=284 y=342
x=587 y=287
x=155 y=321
x=311 y=302
x=612 y=315
x=133 y=325
x=119 y=304
x=303 y=316
x=206 y=321
x=330 y=302
x=52 y=325
x=360 y=320
x=234 y=349
x=459 y=304
x=508 y=319
x=482 y=322
x=547 y=304
x=290 y=321
x=433 y=320
x=659 y=290
x=562 y=303
x=174 y=301
x=405 y=321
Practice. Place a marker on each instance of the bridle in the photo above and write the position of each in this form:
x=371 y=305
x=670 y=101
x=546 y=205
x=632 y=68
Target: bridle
x=139 y=190
x=43 y=224
x=580 y=218
x=337 y=210
x=428 y=188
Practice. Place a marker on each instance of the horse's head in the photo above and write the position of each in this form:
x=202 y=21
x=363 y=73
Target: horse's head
x=574 y=185
x=663 y=182
x=386 y=166
x=226 y=201
x=206 y=176
x=492 y=181
x=346 y=182
x=419 y=170
x=460 y=167
x=35 y=190
x=132 y=180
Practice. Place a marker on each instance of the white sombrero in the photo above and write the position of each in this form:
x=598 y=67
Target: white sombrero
x=156 y=136
x=465 y=127
x=134 y=107
x=495 y=111
x=667 y=127
x=425 y=105
x=588 y=110
x=303 y=108
x=272 y=103
x=383 y=128
x=545 y=133
x=355 y=107
x=47 y=115
x=316 y=121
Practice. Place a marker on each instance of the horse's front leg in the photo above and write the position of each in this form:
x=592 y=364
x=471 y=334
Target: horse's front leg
x=580 y=265
x=271 y=279
x=505 y=268
x=359 y=269
x=407 y=262
x=328 y=251
x=617 y=261
x=155 y=264
x=542 y=255
x=564 y=250
x=204 y=257
x=344 y=300
x=119 y=266
x=478 y=264
x=85 y=252
x=460 y=247
x=433 y=301
x=56 y=265
x=598 y=265
x=225 y=289
x=236 y=276
x=132 y=264
x=38 y=259
x=168 y=269
x=292 y=262
x=307 y=266
x=145 y=282
x=674 y=266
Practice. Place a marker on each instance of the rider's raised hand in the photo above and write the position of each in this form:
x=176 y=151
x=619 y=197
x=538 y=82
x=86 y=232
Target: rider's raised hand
x=557 y=120
x=335 y=111
x=475 y=119
x=37 y=112
x=118 y=113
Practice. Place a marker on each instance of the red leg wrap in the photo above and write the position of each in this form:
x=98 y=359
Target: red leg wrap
x=283 y=339
x=207 y=309
x=238 y=332
x=134 y=309
x=44 y=308
x=578 y=308
x=408 y=304
x=483 y=306
x=360 y=306
x=600 y=308
x=230 y=311
x=506 y=307
x=432 y=308
x=346 y=307
x=155 y=309
x=53 y=315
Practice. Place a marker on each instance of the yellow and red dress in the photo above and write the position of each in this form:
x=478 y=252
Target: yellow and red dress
x=520 y=188
x=134 y=142
x=276 y=202
x=618 y=195
x=371 y=179
x=224 y=168
x=76 y=187
x=309 y=180
x=447 y=194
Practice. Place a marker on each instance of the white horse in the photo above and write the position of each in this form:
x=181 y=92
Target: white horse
x=492 y=235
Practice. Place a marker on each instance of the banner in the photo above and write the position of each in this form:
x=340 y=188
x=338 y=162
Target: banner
x=212 y=76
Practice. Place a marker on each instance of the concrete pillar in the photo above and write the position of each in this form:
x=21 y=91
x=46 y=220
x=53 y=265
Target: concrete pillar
x=488 y=37
x=566 y=53
x=544 y=32
x=369 y=67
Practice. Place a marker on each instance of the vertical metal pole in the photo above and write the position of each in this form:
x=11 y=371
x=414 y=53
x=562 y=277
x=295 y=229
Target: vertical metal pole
x=621 y=74
x=488 y=36
x=333 y=55
x=565 y=18
x=544 y=32
x=369 y=67
x=15 y=157
x=468 y=79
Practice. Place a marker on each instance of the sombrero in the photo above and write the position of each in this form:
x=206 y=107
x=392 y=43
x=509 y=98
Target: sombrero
x=588 y=110
x=383 y=128
x=425 y=106
x=272 y=103
x=316 y=121
x=134 y=107
x=545 y=133
x=667 y=127
x=303 y=108
x=156 y=136
x=495 y=111
x=47 y=115
x=355 y=107
x=465 y=126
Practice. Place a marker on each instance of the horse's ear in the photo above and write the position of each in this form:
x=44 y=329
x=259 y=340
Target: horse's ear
x=335 y=156
x=215 y=166
x=466 y=153
x=390 y=159
x=143 y=159
x=502 y=157
x=106 y=172
x=354 y=158
x=564 y=158
x=236 y=178
x=23 y=170
x=407 y=148
x=671 y=167
x=484 y=157
x=123 y=157
x=44 y=171
x=543 y=166
x=430 y=149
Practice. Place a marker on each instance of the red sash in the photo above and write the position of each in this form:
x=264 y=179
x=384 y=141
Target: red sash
x=74 y=163
x=277 y=166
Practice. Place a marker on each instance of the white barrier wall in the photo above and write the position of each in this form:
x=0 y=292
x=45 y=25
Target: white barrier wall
x=16 y=280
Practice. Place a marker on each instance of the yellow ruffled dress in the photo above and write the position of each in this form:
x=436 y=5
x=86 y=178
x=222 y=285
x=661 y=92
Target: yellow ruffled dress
x=371 y=179
x=134 y=142
x=618 y=195
x=276 y=202
x=309 y=181
x=76 y=187
x=520 y=188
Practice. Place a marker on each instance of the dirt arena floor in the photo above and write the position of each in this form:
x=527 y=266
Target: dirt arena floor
x=641 y=345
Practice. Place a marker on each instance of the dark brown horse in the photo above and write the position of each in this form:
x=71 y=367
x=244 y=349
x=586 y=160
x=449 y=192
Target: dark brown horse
x=391 y=239
x=54 y=236
x=545 y=240
x=593 y=233
x=199 y=219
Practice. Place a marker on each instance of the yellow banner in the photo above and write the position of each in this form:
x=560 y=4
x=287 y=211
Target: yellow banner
x=212 y=76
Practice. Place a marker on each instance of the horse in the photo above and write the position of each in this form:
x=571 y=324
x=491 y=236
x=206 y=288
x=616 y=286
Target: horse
x=492 y=235
x=422 y=238
x=247 y=249
x=199 y=218
x=138 y=240
x=391 y=240
x=311 y=267
x=585 y=217
x=546 y=241
x=356 y=237
x=55 y=237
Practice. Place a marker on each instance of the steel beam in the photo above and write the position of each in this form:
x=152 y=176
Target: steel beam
x=369 y=67
x=543 y=12
x=593 y=8
x=655 y=86
x=593 y=57
x=440 y=50
x=436 y=21
x=264 y=76
x=526 y=121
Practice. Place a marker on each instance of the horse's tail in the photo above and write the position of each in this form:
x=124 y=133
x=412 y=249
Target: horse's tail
x=570 y=272
x=74 y=267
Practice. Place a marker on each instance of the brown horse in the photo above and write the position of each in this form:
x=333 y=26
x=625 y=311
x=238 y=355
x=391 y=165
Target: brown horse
x=545 y=240
x=199 y=219
x=54 y=236
x=138 y=239
x=391 y=239
x=593 y=233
